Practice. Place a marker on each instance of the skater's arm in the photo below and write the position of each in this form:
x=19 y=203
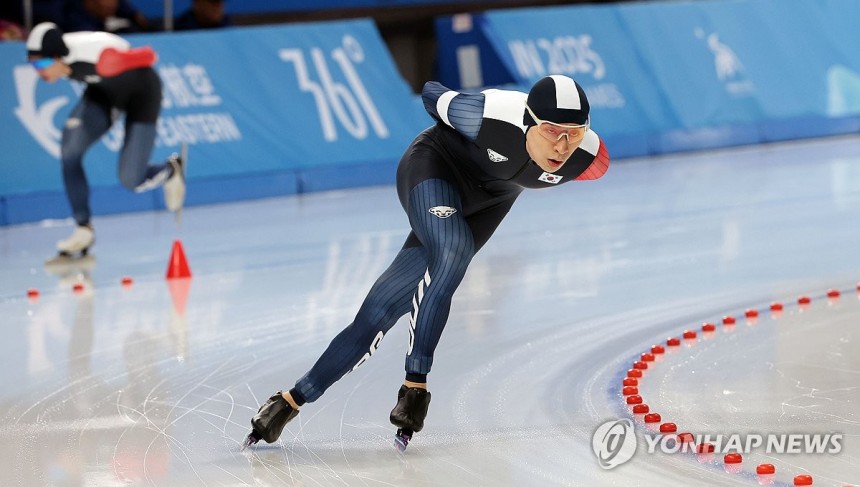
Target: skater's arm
x=461 y=111
x=593 y=148
x=113 y=62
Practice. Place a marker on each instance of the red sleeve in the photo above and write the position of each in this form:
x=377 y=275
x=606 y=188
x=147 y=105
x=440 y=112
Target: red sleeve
x=113 y=62
x=598 y=166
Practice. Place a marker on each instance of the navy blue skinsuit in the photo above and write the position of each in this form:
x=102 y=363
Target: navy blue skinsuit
x=456 y=181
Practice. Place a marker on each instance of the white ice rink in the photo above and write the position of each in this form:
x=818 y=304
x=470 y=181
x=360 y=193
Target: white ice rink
x=128 y=385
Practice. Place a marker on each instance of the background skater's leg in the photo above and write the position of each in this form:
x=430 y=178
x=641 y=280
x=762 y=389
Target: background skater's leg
x=85 y=125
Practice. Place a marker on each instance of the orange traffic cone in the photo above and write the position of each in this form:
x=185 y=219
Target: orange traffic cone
x=178 y=265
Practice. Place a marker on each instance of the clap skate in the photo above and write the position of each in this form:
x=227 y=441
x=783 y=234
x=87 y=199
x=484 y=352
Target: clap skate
x=75 y=247
x=270 y=420
x=409 y=413
x=174 y=187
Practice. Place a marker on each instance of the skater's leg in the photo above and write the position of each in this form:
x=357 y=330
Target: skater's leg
x=436 y=214
x=451 y=243
x=86 y=124
x=450 y=247
x=387 y=301
x=135 y=171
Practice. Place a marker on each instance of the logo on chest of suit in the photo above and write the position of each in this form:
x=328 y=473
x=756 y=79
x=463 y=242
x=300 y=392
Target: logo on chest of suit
x=495 y=156
x=442 y=211
x=550 y=178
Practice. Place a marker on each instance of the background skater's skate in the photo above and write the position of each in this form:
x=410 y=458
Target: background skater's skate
x=270 y=420
x=409 y=413
x=75 y=247
x=72 y=270
x=174 y=187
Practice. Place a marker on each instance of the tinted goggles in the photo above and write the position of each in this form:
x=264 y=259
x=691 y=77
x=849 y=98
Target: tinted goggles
x=42 y=63
x=554 y=131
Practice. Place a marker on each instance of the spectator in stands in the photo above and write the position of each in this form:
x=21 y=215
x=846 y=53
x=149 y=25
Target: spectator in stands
x=11 y=12
x=203 y=14
x=117 y=16
x=43 y=11
x=118 y=79
x=10 y=31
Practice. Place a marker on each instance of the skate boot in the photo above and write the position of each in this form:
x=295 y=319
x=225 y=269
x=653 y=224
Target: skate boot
x=78 y=243
x=174 y=187
x=409 y=413
x=270 y=420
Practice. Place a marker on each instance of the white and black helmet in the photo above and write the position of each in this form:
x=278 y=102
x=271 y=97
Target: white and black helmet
x=557 y=99
x=46 y=40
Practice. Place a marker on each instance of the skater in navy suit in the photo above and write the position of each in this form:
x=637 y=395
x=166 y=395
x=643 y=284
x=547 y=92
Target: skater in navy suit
x=456 y=181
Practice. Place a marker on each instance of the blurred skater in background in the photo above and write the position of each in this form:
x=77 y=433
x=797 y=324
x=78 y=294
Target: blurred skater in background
x=118 y=79
x=456 y=181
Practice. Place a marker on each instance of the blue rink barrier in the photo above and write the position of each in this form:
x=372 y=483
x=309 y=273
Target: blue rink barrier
x=272 y=111
x=266 y=111
x=673 y=76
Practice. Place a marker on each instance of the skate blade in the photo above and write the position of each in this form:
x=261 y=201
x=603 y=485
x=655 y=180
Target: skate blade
x=250 y=441
x=401 y=439
x=183 y=153
x=400 y=444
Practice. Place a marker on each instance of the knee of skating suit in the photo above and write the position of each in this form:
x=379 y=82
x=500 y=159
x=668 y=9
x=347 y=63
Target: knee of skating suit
x=411 y=408
x=272 y=417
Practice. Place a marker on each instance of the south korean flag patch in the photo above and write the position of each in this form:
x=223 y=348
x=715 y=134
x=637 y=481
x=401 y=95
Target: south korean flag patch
x=550 y=178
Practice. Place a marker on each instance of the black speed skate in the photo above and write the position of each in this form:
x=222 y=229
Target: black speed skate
x=409 y=413
x=270 y=420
